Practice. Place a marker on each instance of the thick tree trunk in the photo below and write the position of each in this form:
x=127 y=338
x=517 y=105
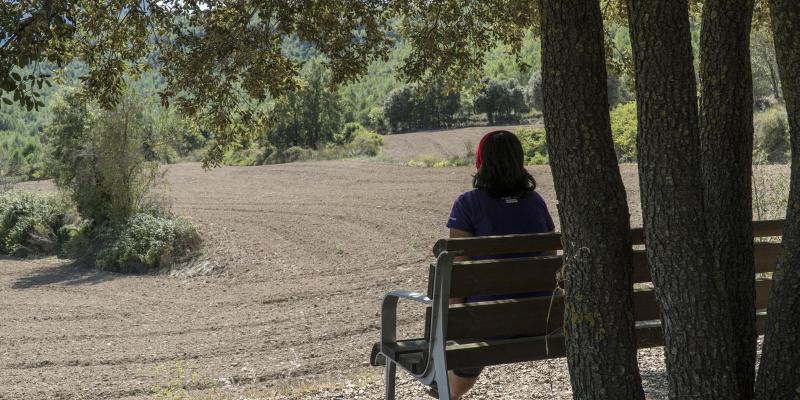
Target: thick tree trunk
x=698 y=339
x=779 y=373
x=598 y=321
x=726 y=142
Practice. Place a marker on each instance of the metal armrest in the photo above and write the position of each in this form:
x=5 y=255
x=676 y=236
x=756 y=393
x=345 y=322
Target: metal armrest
x=389 y=312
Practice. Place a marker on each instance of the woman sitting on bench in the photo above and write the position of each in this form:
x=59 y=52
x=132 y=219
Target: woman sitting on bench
x=503 y=202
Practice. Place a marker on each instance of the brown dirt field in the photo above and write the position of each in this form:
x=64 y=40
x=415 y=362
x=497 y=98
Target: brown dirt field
x=303 y=254
x=440 y=143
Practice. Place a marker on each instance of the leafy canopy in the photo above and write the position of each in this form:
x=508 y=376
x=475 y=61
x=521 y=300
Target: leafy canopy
x=221 y=60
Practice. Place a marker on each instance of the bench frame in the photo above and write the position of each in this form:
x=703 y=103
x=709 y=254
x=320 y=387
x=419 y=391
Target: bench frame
x=426 y=359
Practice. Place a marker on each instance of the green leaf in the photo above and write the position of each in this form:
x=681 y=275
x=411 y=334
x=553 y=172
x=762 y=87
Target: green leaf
x=7 y=101
x=15 y=76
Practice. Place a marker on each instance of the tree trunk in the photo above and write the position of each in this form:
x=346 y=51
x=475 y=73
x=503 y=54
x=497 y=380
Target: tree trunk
x=698 y=339
x=726 y=142
x=598 y=321
x=779 y=373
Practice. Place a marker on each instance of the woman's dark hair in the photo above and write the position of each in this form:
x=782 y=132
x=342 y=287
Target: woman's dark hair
x=502 y=170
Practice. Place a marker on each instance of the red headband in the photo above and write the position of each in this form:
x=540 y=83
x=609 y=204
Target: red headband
x=479 y=150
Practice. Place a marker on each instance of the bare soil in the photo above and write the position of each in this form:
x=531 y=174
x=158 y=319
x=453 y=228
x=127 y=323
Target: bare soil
x=440 y=143
x=300 y=255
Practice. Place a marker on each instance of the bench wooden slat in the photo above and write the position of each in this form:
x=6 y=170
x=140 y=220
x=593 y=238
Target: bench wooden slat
x=504 y=351
x=529 y=317
x=490 y=245
x=533 y=274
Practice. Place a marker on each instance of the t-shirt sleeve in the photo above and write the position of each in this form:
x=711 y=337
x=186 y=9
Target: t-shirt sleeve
x=460 y=217
x=547 y=217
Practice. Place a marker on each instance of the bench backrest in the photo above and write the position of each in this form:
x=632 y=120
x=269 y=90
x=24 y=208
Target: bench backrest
x=541 y=316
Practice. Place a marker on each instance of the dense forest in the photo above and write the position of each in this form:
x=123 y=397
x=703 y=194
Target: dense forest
x=341 y=120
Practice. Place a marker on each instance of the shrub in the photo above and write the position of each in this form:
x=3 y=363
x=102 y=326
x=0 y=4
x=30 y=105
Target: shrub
x=292 y=154
x=772 y=134
x=623 y=131
x=31 y=222
x=98 y=157
x=427 y=160
x=242 y=157
x=364 y=143
x=147 y=242
x=376 y=120
x=347 y=133
x=534 y=145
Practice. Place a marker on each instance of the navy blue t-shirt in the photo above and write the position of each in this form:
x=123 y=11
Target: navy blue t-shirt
x=481 y=214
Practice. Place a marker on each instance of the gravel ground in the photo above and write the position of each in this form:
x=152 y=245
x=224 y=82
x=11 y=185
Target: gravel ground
x=282 y=305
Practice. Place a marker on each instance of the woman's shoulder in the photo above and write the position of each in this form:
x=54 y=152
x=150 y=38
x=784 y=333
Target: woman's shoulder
x=536 y=198
x=470 y=195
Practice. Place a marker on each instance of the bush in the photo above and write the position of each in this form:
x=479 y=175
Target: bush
x=428 y=161
x=772 y=135
x=243 y=157
x=534 y=145
x=376 y=120
x=292 y=154
x=347 y=133
x=31 y=222
x=147 y=242
x=623 y=131
x=98 y=157
x=364 y=143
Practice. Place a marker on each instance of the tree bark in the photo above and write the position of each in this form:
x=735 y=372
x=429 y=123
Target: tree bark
x=779 y=373
x=726 y=142
x=698 y=340
x=597 y=274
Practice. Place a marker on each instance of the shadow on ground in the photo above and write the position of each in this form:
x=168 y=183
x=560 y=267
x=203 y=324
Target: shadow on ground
x=67 y=273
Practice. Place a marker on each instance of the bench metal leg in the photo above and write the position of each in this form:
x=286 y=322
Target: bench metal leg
x=442 y=381
x=390 y=376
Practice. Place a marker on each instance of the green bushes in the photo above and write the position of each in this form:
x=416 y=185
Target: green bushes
x=98 y=157
x=534 y=145
x=352 y=141
x=363 y=143
x=623 y=131
x=100 y=160
x=147 y=241
x=772 y=135
x=33 y=223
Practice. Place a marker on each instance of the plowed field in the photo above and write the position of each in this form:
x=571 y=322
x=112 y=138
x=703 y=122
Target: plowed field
x=301 y=255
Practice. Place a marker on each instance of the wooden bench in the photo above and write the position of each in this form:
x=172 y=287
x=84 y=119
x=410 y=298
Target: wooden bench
x=461 y=335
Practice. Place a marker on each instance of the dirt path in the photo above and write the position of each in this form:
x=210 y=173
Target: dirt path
x=306 y=251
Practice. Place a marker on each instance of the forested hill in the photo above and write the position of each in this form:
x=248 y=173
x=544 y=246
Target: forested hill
x=380 y=100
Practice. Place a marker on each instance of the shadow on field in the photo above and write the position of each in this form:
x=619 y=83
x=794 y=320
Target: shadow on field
x=71 y=273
